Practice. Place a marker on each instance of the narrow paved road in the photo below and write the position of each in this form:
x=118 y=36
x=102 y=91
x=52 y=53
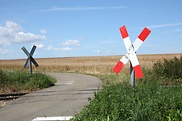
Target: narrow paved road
x=66 y=98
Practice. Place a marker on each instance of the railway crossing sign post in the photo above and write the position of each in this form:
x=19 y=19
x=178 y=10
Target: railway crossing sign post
x=130 y=55
x=30 y=59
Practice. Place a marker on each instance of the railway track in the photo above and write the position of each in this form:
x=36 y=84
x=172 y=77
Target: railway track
x=4 y=97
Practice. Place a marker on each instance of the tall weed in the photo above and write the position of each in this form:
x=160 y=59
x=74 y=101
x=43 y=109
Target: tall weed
x=169 y=71
x=169 y=68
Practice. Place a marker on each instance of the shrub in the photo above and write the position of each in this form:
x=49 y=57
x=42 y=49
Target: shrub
x=16 y=81
x=169 y=68
x=169 y=72
x=3 y=78
x=39 y=81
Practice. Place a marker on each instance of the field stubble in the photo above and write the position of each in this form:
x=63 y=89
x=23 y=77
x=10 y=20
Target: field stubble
x=87 y=65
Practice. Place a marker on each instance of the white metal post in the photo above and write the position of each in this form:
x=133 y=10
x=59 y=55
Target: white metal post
x=132 y=76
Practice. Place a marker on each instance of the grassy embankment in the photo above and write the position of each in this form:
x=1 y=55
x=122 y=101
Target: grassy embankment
x=157 y=97
x=21 y=81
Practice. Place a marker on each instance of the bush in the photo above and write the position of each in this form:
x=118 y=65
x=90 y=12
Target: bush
x=169 y=68
x=17 y=81
x=39 y=81
x=169 y=72
x=3 y=78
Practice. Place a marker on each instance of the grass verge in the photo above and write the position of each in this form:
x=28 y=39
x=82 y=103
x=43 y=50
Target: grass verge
x=147 y=102
x=21 y=81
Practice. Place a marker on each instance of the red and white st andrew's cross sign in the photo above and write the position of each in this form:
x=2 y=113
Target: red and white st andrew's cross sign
x=131 y=51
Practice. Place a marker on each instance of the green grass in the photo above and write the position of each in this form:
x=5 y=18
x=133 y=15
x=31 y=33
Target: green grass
x=146 y=102
x=21 y=81
x=157 y=97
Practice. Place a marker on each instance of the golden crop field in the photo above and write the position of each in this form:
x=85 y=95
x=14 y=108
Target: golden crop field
x=89 y=65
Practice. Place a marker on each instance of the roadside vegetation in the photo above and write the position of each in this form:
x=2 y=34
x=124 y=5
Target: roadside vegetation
x=156 y=97
x=22 y=81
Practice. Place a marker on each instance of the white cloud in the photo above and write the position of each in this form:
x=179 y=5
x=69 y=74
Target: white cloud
x=59 y=49
x=50 y=47
x=22 y=37
x=5 y=51
x=164 y=25
x=12 y=33
x=12 y=26
x=100 y=51
x=67 y=49
x=43 y=31
x=80 y=8
x=39 y=45
x=72 y=42
x=97 y=51
x=178 y=30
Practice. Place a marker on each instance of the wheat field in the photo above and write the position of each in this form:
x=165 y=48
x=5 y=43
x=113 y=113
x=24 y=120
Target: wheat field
x=87 y=65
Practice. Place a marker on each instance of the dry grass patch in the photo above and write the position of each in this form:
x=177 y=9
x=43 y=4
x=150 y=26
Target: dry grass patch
x=88 y=65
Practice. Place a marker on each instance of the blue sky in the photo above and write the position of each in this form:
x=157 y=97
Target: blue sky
x=69 y=28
